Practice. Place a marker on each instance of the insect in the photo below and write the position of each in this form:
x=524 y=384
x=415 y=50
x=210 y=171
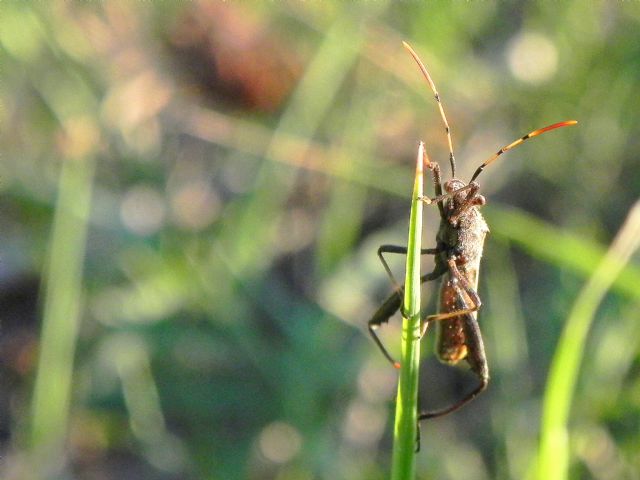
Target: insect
x=457 y=254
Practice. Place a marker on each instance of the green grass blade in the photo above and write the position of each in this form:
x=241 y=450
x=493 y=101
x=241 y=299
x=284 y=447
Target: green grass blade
x=553 y=458
x=405 y=429
x=62 y=303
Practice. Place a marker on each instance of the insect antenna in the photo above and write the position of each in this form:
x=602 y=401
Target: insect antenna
x=518 y=142
x=426 y=75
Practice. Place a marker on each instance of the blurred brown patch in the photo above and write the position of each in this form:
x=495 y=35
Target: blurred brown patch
x=231 y=55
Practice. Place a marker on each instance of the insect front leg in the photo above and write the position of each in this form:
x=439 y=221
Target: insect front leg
x=437 y=184
x=394 y=302
x=471 y=200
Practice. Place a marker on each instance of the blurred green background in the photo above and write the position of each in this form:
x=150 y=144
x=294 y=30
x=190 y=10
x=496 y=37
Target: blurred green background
x=192 y=195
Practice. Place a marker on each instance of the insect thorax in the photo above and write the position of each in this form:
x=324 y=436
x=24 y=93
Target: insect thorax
x=472 y=230
x=464 y=229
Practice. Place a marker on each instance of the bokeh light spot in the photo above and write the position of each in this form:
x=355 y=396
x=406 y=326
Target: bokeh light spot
x=532 y=57
x=142 y=210
x=195 y=205
x=279 y=442
x=364 y=423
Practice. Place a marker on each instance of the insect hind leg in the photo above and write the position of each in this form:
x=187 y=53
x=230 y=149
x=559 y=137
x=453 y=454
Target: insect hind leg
x=461 y=284
x=473 y=338
x=478 y=363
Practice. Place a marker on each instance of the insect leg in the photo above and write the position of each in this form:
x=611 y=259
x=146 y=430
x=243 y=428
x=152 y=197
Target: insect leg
x=471 y=199
x=476 y=359
x=461 y=284
x=403 y=251
x=437 y=183
x=473 y=338
x=394 y=302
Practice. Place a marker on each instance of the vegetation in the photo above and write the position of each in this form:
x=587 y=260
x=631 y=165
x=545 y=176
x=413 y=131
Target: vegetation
x=192 y=195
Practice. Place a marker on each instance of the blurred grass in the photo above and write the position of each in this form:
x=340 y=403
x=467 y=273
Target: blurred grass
x=250 y=159
x=61 y=317
x=309 y=102
x=558 y=247
x=553 y=461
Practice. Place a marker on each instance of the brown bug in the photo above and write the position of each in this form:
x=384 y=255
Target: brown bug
x=458 y=251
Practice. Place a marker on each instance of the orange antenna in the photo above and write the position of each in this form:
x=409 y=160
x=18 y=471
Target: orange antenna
x=432 y=85
x=535 y=133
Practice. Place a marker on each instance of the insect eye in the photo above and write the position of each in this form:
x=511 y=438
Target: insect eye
x=451 y=185
x=479 y=200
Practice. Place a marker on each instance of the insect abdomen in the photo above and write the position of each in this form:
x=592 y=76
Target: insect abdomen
x=451 y=342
